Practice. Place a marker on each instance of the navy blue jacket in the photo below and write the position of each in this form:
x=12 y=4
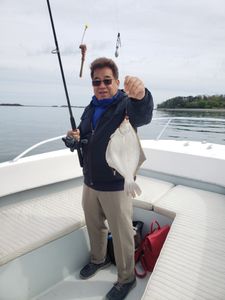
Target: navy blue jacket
x=97 y=173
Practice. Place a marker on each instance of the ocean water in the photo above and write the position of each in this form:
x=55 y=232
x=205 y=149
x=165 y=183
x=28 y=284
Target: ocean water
x=22 y=127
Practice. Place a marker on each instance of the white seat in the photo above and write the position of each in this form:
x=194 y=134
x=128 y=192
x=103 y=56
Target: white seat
x=38 y=218
x=192 y=261
x=152 y=191
x=32 y=223
x=191 y=202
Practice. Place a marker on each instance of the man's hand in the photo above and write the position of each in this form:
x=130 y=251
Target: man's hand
x=74 y=134
x=134 y=87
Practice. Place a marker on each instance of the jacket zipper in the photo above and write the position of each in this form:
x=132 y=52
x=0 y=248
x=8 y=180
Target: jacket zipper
x=114 y=172
x=89 y=154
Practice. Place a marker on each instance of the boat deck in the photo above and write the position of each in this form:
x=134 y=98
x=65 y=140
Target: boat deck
x=43 y=263
x=94 y=288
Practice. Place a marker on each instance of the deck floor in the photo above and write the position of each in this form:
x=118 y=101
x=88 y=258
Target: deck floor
x=94 y=288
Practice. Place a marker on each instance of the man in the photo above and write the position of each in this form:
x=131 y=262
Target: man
x=103 y=191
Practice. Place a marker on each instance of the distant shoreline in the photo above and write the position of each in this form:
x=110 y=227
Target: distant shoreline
x=159 y=109
x=193 y=109
x=26 y=105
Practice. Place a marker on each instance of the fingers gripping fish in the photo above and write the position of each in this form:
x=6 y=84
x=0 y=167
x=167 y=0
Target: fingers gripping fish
x=125 y=155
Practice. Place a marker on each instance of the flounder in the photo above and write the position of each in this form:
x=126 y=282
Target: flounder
x=124 y=154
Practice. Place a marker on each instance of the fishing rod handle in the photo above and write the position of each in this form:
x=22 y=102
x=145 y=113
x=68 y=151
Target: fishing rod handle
x=80 y=156
x=74 y=127
x=73 y=123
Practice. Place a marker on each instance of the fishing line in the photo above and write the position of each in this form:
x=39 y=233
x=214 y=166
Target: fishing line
x=118 y=39
x=66 y=140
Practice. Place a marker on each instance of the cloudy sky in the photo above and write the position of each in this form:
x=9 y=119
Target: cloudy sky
x=176 y=46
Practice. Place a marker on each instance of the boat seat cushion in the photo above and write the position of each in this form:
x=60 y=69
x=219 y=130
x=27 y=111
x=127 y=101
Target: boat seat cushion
x=152 y=190
x=192 y=260
x=191 y=202
x=32 y=223
x=42 y=215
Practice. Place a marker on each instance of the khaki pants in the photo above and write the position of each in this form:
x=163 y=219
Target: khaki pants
x=117 y=208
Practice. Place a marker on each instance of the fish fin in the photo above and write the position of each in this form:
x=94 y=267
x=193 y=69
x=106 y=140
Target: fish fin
x=132 y=188
x=142 y=158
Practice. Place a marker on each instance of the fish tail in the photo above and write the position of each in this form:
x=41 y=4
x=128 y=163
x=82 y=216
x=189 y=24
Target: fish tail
x=132 y=188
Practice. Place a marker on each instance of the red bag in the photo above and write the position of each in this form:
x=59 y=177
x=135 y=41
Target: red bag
x=150 y=248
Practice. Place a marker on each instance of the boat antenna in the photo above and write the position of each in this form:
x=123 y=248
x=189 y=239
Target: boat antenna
x=83 y=48
x=72 y=120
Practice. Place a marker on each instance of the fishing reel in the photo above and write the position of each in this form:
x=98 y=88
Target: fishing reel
x=70 y=143
x=73 y=144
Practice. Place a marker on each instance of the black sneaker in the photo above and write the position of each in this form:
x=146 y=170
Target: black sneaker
x=91 y=269
x=120 y=291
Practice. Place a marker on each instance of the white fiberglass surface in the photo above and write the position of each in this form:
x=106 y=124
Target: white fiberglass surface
x=94 y=288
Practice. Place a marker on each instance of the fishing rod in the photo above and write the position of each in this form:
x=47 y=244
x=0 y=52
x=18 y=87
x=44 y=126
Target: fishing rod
x=70 y=142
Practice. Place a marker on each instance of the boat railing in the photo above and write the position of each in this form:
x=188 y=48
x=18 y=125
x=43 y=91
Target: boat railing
x=168 y=120
x=36 y=146
x=171 y=119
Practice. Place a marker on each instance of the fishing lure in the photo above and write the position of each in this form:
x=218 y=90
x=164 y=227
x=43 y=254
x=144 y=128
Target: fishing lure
x=83 y=48
x=118 y=44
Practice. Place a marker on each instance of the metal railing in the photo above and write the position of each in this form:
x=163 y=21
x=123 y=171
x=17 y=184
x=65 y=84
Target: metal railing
x=168 y=119
x=36 y=146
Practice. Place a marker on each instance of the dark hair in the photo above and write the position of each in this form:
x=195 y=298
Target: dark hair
x=103 y=62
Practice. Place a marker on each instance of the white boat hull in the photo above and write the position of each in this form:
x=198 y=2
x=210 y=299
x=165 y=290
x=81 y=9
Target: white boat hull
x=183 y=184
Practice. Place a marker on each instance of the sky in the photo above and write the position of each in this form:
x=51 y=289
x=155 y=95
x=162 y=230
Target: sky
x=177 y=47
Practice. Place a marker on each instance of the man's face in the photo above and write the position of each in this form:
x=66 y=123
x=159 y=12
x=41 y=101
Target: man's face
x=104 y=90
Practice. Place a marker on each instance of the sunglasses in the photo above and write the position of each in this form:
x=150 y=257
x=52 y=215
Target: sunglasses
x=98 y=82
